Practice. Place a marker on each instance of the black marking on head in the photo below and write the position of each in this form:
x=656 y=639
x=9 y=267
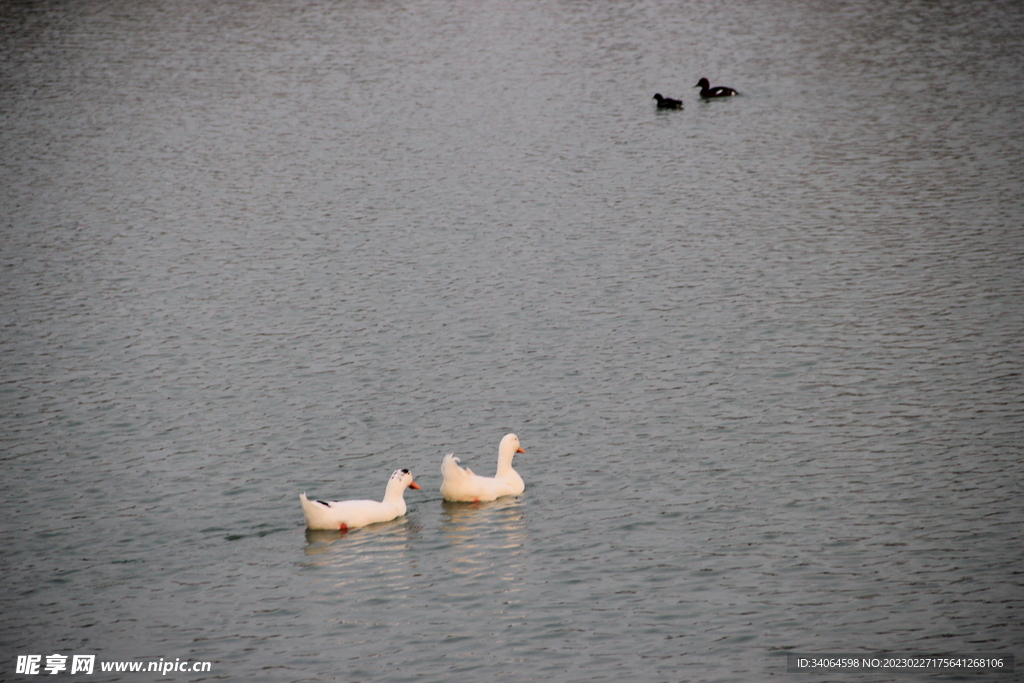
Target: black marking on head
x=326 y=505
x=405 y=471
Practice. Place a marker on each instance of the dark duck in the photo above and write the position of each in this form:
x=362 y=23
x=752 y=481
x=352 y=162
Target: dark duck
x=707 y=92
x=667 y=102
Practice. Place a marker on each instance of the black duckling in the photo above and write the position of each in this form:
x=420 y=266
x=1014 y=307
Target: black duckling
x=667 y=102
x=707 y=92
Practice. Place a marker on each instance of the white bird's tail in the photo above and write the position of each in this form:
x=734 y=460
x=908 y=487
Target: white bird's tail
x=451 y=469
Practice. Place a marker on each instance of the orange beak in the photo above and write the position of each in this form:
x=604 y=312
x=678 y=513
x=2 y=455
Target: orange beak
x=414 y=485
x=520 y=450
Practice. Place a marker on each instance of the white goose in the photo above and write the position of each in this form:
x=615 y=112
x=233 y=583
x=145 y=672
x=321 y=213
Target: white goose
x=461 y=485
x=352 y=514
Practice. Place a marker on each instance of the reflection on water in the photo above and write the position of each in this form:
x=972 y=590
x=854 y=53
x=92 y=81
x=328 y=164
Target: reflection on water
x=319 y=542
x=375 y=550
x=392 y=533
x=462 y=520
x=485 y=537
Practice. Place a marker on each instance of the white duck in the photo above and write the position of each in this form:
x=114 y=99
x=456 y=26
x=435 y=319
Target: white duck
x=461 y=485
x=352 y=514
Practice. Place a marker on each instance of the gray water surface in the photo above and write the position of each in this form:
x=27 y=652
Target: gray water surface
x=764 y=354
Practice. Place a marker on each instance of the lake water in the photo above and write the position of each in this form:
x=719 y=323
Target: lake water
x=764 y=354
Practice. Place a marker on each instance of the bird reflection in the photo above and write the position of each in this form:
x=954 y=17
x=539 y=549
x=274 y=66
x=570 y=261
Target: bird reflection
x=387 y=538
x=484 y=535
